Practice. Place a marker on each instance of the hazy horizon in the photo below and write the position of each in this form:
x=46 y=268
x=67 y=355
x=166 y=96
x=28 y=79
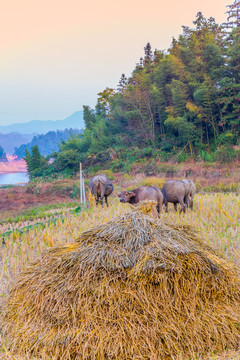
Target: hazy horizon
x=33 y=120
x=57 y=56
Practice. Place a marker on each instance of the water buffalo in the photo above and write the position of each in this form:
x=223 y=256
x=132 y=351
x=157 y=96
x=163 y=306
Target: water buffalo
x=143 y=193
x=191 y=192
x=100 y=186
x=175 y=191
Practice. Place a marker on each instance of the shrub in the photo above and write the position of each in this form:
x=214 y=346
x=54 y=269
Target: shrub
x=148 y=151
x=117 y=165
x=182 y=157
x=150 y=168
x=206 y=156
x=227 y=138
x=75 y=192
x=225 y=154
x=168 y=170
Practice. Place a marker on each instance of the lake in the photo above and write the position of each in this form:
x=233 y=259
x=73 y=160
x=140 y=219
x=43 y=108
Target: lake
x=13 y=178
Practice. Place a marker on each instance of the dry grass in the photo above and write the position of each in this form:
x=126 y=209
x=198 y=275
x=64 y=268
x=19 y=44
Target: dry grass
x=153 y=181
x=133 y=287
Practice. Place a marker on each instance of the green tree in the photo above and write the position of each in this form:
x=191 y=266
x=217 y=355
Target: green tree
x=27 y=158
x=36 y=163
x=88 y=117
x=36 y=159
x=122 y=83
x=148 y=58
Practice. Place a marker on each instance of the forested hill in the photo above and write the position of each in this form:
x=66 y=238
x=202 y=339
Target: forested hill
x=176 y=104
x=191 y=94
x=47 y=143
x=10 y=141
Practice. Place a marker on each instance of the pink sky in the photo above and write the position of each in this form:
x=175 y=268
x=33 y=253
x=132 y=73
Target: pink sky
x=56 y=55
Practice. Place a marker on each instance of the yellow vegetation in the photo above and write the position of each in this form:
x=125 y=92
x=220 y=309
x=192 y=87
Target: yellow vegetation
x=131 y=287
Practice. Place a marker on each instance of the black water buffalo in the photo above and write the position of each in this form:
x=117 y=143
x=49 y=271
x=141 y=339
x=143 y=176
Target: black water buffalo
x=175 y=191
x=143 y=193
x=191 y=192
x=100 y=186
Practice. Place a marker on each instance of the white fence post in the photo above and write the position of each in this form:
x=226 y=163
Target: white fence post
x=81 y=184
x=83 y=190
x=82 y=187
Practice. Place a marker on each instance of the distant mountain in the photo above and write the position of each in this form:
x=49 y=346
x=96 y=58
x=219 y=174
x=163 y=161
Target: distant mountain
x=74 y=121
x=47 y=143
x=9 y=141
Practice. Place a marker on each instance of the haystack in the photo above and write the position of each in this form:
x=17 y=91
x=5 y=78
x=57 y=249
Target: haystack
x=133 y=288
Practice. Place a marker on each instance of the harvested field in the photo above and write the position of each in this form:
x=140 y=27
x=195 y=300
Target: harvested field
x=134 y=287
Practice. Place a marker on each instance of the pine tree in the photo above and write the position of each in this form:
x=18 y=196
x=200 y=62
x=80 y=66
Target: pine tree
x=148 y=55
x=36 y=159
x=122 y=83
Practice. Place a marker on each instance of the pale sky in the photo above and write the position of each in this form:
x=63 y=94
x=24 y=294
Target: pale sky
x=56 y=55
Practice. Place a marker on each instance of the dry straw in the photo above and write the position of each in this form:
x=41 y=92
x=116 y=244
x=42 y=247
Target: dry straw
x=133 y=288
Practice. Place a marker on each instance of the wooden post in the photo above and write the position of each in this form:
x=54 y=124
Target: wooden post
x=82 y=187
x=81 y=194
x=84 y=194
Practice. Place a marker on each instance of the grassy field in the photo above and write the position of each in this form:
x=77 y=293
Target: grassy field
x=216 y=216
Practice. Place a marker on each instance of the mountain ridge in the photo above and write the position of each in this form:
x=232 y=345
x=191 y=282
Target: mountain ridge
x=74 y=121
x=12 y=140
x=47 y=143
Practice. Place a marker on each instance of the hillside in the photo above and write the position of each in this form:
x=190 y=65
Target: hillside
x=10 y=141
x=74 y=121
x=47 y=143
x=177 y=105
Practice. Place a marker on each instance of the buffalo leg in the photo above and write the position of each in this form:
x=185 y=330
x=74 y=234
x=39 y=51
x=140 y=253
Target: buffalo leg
x=106 y=200
x=175 y=206
x=101 y=201
x=166 y=206
x=159 y=207
x=183 y=206
x=94 y=192
x=103 y=191
x=191 y=203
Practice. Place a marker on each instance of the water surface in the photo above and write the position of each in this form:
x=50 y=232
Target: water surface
x=13 y=178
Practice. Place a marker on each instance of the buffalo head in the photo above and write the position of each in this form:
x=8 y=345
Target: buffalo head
x=125 y=196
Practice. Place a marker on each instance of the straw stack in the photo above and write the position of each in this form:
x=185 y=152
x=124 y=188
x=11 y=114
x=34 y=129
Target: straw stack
x=133 y=288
